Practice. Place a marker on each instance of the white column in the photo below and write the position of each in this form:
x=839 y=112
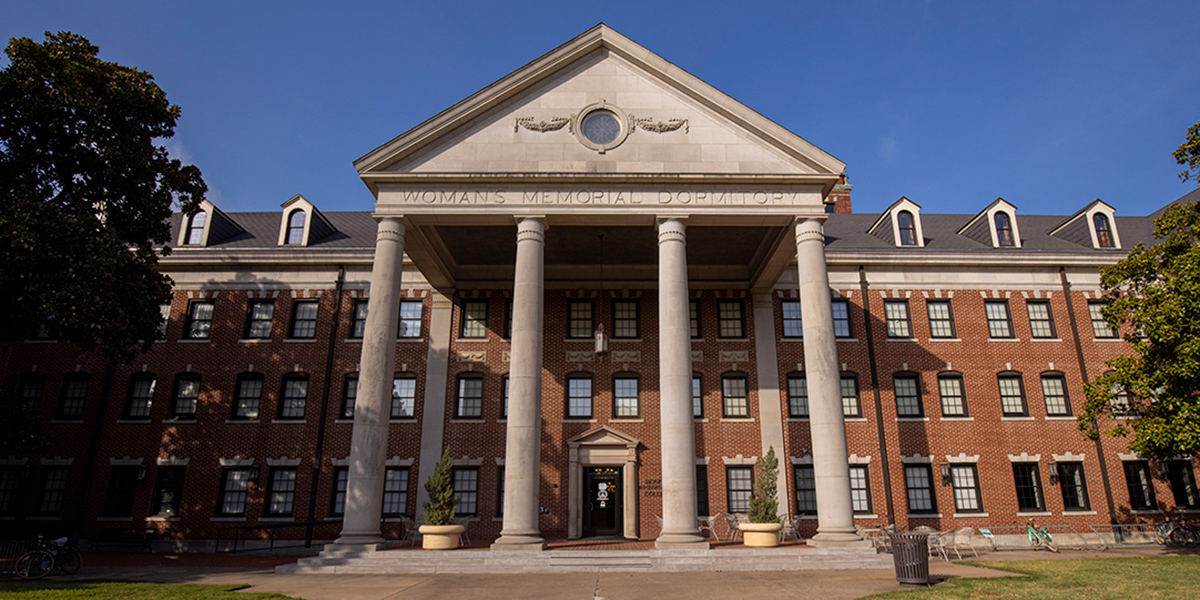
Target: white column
x=835 y=525
x=522 y=456
x=368 y=442
x=675 y=392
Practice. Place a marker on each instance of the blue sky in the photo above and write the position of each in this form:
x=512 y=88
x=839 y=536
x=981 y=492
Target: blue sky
x=1047 y=104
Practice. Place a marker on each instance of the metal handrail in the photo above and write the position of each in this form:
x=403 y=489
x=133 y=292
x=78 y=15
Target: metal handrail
x=270 y=527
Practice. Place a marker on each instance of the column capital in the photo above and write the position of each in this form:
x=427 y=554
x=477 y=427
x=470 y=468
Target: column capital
x=390 y=228
x=809 y=228
x=671 y=228
x=531 y=228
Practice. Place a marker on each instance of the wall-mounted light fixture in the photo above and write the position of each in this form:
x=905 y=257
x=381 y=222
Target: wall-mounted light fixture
x=254 y=473
x=142 y=469
x=946 y=479
x=1053 y=473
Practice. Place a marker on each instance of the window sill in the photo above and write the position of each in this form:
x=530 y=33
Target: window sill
x=177 y=421
x=579 y=420
x=945 y=339
x=1017 y=419
x=1061 y=418
x=1191 y=510
x=790 y=339
x=1045 y=339
x=343 y=420
x=1004 y=339
x=636 y=340
x=1146 y=511
x=699 y=339
x=55 y=518
x=1116 y=339
x=800 y=419
x=969 y=515
x=1072 y=513
x=161 y=519
x=502 y=420
x=858 y=516
x=957 y=419
x=737 y=419
x=113 y=519
x=467 y=420
x=241 y=420
x=40 y=341
x=290 y=421
x=299 y=340
x=901 y=339
x=926 y=515
x=623 y=420
x=402 y=340
x=202 y=341
x=736 y=339
x=462 y=340
x=852 y=419
x=845 y=339
x=228 y=519
x=1035 y=514
x=254 y=341
x=579 y=339
x=402 y=420
x=147 y=420
x=67 y=421
x=696 y=419
x=808 y=517
x=911 y=419
x=276 y=519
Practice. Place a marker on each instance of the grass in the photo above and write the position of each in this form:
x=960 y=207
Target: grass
x=36 y=590
x=1107 y=579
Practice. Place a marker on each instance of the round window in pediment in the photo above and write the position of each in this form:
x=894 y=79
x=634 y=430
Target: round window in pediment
x=601 y=127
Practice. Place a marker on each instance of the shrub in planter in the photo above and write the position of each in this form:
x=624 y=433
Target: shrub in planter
x=764 y=526
x=439 y=531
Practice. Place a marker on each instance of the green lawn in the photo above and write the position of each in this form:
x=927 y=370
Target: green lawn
x=36 y=590
x=1107 y=579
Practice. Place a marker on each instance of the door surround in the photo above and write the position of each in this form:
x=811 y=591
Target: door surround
x=603 y=446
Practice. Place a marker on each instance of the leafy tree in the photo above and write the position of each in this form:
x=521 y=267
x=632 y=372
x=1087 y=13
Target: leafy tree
x=85 y=197
x=439 y=509
x=1154 y=296
x=764 y=505
x=1188 y=154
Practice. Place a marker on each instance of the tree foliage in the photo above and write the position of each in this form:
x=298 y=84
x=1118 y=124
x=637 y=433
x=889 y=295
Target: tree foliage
x=85 y=197
x=439 y=509
x=1153 y=296
x=1188 y=154
x=764 y=504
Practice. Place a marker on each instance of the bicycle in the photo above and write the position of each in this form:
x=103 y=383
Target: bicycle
x=1176 y=533
x=46 y=556
x=1039 y=537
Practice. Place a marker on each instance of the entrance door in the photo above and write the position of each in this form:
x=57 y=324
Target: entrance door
x=602 y=501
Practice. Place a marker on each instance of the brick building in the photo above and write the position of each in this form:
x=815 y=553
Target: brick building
x=906 y=367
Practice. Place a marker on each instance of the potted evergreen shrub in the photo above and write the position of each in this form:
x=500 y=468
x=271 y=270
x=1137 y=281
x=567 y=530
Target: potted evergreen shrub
x=763 y=529
x=439 y=531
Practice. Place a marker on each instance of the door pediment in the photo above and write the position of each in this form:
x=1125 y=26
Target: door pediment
x=603 y=436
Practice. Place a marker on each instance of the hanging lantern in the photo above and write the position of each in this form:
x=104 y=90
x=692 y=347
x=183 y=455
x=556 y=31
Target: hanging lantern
x=601 y=341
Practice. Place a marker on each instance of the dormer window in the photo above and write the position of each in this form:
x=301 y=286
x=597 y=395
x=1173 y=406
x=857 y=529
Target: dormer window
x=907 y=228
x=195 y=233
x=295 y=232
x=1004 y=231
x=1104 y=236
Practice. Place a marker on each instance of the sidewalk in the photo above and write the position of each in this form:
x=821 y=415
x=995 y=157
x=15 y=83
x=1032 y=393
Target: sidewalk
x=258 y=572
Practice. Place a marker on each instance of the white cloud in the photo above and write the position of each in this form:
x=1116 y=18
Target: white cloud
x=887 y=149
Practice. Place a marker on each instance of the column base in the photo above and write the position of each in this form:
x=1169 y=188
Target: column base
x=681 y=541
x=838 y=540
x=527 y=543
x=361 y=541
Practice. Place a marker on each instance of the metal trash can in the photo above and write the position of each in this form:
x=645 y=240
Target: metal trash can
x=910 y=551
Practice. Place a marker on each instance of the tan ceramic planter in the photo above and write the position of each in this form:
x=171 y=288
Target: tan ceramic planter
x=440 y=537
x=760 y=535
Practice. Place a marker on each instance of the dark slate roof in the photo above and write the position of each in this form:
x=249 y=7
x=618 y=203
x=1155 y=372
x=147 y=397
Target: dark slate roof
x=354 y=230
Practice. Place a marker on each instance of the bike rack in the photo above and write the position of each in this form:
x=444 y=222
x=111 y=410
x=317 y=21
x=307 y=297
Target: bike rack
x=1133 y=534
x=1016 y=537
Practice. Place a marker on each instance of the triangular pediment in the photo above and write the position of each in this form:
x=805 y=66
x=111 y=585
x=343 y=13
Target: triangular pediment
x=529 y=122
x=603 y=436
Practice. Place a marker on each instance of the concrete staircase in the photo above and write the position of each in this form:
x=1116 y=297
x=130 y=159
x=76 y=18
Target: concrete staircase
x=336 y=560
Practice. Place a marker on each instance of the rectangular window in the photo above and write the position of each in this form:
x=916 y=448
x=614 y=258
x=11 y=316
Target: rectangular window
x=919 y=481
x=694 y=318
x=739 y=485
x=806 y=490
x=625 y=319
x=410 y=319
x=259 y=318
x=841 y=318
x=358 y=320
x=168 y=492
x=234 y=483
x=404 y=397
x=281 y=492
x=395 y=491
x=122 y=482
x=248 y=398
x=697 y=398
x=466 y=488
x=337 y=503
x=625 y=398
x=851 y=405
x=941 y=319
x=469 y=404
x=293 y=398
x=898 y=323
x=730 y=323
x=965 y=479
x=1100 y=327
x=10 y=484
x=199 y=321
x=579 y=319
x=474 y=319
x=349 y=396
x=504 y=391
x=1073 y=486
x=1183 y=483
x=860 y=490
x=1041 y=321
x=74 y=394
x=793 y=322
x=1012 y=395
x=54 y=490
x=1054 y=390
x=500 y=492
x=797 y=389
x=304 y=320
x=734 y=399
x=1029 y=487
x=998 y=318
x=579 y=397
x=508 y=318
x=30 y=389
x=1140 y=485
x=908 y=396
x=141 y=396
x=186 y=397
x=954 y=401
x=702 y=490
